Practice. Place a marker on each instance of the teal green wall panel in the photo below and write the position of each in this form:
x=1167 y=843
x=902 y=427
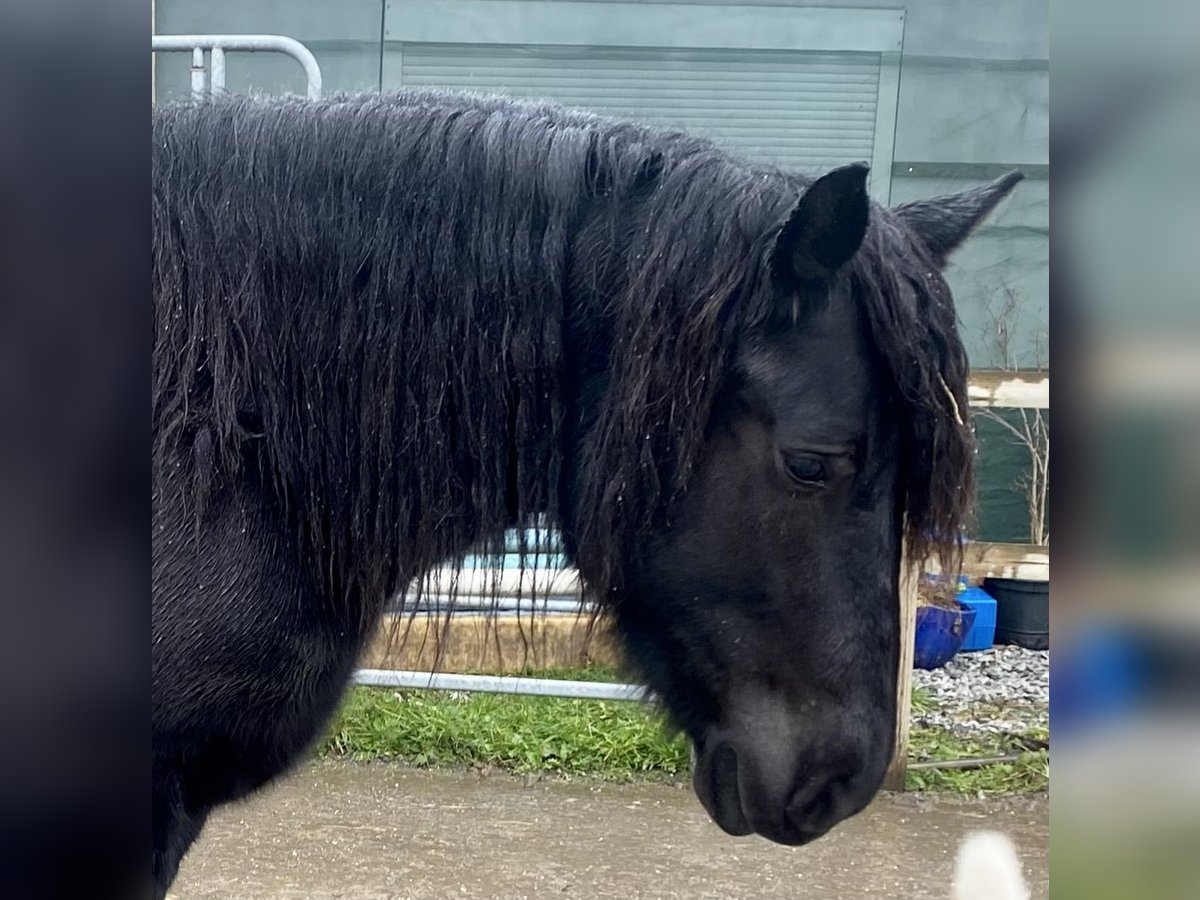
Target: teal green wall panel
x=954 y=111
x=660 y=25
x=1003 y=511
x=805 y=111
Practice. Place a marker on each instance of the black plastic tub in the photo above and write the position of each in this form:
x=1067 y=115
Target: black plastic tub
x=1022 y=611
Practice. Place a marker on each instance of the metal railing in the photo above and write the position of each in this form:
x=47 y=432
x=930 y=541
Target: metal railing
x=468 y=604
x=502 y=684
x=208 y=79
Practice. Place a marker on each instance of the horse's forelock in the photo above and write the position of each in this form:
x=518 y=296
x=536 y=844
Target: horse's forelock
x=915 y=330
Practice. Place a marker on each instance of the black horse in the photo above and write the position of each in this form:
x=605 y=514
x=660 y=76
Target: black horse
x=388 y=328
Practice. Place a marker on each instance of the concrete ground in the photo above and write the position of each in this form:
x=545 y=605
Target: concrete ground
x=369 y=832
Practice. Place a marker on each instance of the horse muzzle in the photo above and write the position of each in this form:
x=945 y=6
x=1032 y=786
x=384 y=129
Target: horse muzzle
x=787 y=785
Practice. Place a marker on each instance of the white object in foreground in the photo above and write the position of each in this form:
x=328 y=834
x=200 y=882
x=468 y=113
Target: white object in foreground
x=988 y=869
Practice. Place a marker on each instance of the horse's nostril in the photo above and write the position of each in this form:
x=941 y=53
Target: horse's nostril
x=833 y=801
x=825 y=803
x=718 y=782
x=725 y=780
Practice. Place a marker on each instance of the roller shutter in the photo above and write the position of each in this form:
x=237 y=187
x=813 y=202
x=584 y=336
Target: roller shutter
x=797 y=109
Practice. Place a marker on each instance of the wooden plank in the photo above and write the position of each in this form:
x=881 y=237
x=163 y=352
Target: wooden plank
x=997 y=560
x=504 y=645
x=1012 y=390
x=898 y=768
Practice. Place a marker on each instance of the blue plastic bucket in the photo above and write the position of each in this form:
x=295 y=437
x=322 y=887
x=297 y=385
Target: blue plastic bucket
x=940 y=634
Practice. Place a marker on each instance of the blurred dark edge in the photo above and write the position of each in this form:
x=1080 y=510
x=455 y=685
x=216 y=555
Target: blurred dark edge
x=74 y=449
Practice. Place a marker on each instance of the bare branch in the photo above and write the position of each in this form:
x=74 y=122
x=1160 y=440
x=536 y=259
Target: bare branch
x=1032 y=431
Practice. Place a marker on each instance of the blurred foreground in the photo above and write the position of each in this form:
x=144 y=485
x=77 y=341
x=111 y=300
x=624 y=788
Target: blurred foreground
x=1126 y=623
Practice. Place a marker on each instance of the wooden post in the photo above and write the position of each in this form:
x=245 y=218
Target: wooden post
x=999 y=389
x=909 y=579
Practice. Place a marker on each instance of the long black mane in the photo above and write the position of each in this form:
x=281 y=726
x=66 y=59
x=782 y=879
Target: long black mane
x=363 y=302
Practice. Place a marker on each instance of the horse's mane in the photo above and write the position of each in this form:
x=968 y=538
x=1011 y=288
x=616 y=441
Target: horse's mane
x=364 y=300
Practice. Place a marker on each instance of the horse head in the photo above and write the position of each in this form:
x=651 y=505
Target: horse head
x=761 y=603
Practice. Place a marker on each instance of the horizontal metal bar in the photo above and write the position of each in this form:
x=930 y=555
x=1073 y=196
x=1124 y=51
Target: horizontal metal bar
x=500 y=605
x=974 y=763
x=466 y=598
x=248 y=42
x=502 y=684
x=486 y=581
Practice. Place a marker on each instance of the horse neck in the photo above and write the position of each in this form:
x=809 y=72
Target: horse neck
x=438 y=430
x=396 y=334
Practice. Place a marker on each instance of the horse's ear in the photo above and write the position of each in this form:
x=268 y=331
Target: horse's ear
x=944 y=223
x=826 y=226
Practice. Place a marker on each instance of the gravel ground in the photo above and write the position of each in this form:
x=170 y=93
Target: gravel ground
x=1005 y=690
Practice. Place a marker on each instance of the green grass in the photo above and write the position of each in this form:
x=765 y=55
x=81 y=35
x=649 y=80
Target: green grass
x=1029 y=774
x=922 y=702
x=613 y=740
x=601 y=739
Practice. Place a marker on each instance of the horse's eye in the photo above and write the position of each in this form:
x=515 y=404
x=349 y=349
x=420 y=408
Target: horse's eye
x=806 y=468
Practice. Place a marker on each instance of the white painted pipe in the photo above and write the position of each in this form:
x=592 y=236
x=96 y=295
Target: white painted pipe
x=502 y=684
x=197 y=74
x=217 y=78
x=249 y=42
x=486 y=582
x=474 y=605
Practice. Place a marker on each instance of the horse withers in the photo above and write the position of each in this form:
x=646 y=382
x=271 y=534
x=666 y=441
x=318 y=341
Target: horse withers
x=389 y=328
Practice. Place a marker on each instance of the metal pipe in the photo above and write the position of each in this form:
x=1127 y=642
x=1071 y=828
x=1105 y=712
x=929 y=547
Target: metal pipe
x=471 y=602
x=217 y=79
x=197 y=75
x=976 y=763
x=483 y=609
x=502 y=684
x=251 y=43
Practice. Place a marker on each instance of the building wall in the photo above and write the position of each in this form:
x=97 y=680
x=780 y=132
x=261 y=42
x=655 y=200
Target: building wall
x=972 y=101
